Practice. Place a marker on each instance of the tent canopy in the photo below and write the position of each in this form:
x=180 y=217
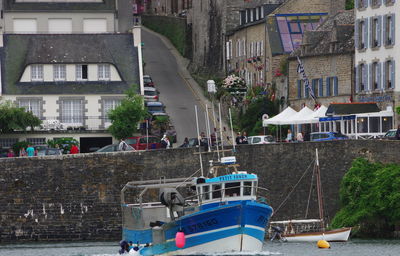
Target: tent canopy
x=280 y=118
x=301 y=117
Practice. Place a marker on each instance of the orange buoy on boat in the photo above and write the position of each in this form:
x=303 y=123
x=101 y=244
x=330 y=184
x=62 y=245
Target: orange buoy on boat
x=323 y=244
x=180 y=239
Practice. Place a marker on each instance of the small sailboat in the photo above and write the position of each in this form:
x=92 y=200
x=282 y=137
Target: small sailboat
x=290 y=234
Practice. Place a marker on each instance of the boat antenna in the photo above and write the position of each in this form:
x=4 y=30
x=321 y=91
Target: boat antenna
x=319 y=191
x=230 y=119
x=220 y=129
x=198 y=138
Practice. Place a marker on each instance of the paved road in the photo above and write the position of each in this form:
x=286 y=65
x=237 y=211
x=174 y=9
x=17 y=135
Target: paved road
x=175 y=93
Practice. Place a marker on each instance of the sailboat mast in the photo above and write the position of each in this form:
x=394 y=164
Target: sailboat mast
x=319 y=191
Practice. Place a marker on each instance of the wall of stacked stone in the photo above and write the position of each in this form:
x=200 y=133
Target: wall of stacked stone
x=77 y=197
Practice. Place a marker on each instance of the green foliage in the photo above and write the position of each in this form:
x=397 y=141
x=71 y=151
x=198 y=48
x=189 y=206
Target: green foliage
x=64 y=144
x=283 y=66
x=398 y=110
x=370 y=197
x=125 y=117
x=349 y=4
x=250 y=120
x=14 y=118
x=18 y=146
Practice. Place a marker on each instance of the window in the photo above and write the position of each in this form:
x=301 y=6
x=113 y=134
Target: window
x=376 y=76
x=389 y=2
x=24 y=26
x=315 y=86
x=229 y=50
x=257 y=13
x=81 y=72
x=376 y=31
x=36 y=141
x=329 y=86
x=375 y=3
x=362 y=34
x=247 y=188
x=388 y=29
x=37 y=72
x=361 y=77
x=389 y=74
x=8 y=142
x=59 y=72
x=72 y=111
x=361 y=3
x=31 y=105
x=109 y=104
x=206 y=192
x=232 y=189
x=104 y=71
x=299 y=88
x=216 y=191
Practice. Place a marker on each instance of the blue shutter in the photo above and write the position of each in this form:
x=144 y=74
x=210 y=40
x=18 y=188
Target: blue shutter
x=371 y=32
x=383 y=87
x=379 y=76
x=393 y=28
x=384 y=32
x=357 y=78
x=313 y=86
x=379 y=31
x=321 y=87
x=356 y=32
x=306 y=92
x=393 y=74
x=335 y=86
x=328 y=86
x=366 y=33
x=299 y=89
x=370 y=84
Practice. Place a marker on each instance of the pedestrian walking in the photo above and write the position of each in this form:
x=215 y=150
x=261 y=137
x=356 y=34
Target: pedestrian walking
x=122 y=145
x=239 y=139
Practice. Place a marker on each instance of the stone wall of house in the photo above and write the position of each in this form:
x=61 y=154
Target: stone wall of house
x=77 y=197
x=322 y=66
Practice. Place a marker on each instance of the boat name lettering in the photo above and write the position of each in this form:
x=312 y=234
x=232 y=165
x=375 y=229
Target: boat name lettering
x=202 y=225
x=231 y=177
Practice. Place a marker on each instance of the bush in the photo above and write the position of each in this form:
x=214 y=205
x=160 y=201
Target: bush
x=64 y=144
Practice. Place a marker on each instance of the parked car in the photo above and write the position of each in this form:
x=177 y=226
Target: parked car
x=262 y=139
x=150 y=94
x=390 y=135
x=113 y=148
x=49 y=152
x=325 y=136
x=147 y=81
x=155 y=107
x=144 y=142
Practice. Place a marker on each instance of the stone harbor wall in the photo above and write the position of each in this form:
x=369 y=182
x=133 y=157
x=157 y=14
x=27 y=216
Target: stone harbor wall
x=77 y=197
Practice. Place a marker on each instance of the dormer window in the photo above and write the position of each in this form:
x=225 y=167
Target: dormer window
x=37 y=72
x=59 y=72
x=104 y=71
x=81 y=72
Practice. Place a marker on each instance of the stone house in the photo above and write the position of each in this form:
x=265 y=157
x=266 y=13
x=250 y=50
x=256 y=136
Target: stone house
x=327 y=56
x=68 y=68
x=166 y=7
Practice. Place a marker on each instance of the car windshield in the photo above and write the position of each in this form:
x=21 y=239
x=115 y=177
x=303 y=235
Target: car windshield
x=108 y=148
x=150 y=93
x=390 y=134
x=131 y=141
x=156 y=109
x=147 y=79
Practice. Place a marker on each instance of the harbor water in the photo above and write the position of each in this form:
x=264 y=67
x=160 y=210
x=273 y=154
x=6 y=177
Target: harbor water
x=354 y=247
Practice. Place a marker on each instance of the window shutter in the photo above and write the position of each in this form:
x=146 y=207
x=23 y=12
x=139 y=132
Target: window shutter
x=366 y=33
x=357 y=78
x=379 y=75
x=335 y=86
x=379 y=31
x=371 y=31
x=313 y=85
x=328 y=86
x=393 y=28
x=383 y=87
x=356 y=4
x=299 y=89
x=306 y=92
x=364 y=71
x=321 y=87
x=393 y=74
x=370 y=84
x=356 y=32
x=384 y=32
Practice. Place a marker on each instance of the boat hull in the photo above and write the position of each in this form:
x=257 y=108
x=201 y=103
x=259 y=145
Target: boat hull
x=336 y=235
x=234 y=227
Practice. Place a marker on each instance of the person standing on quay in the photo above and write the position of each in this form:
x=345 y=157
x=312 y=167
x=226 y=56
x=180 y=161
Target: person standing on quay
x=30 y=151
x=74 y=149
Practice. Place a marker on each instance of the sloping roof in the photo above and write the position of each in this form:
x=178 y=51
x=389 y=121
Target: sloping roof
x=337 y=29
x=351 y=108
x=12 y=6
x=22 y=50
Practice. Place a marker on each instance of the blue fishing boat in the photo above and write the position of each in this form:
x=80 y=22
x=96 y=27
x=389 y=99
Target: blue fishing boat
x=226 y=213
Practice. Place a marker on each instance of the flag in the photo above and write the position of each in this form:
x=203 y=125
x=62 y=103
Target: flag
x=300 y=70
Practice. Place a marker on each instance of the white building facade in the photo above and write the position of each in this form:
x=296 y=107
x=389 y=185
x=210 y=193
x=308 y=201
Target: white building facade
x=377 y=53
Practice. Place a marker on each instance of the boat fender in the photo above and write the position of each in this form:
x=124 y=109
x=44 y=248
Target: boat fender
x=323 y=244
x=180 y=239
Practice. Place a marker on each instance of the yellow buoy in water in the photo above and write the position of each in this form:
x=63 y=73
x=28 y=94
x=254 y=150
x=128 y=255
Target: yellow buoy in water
x=323 y=244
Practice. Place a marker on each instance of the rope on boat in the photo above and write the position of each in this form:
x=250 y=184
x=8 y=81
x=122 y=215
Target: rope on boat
x=290 y=193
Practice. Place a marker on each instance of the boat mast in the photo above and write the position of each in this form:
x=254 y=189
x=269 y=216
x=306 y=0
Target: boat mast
x=198 y=137
x=319 y=191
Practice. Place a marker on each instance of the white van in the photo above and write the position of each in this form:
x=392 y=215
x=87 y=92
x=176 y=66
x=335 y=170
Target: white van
x=262 y=139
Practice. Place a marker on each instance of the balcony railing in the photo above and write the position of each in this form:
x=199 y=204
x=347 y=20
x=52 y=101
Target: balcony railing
x=91 y=123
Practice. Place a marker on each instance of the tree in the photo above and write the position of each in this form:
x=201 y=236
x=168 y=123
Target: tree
x=14 y=118
x=127 y=115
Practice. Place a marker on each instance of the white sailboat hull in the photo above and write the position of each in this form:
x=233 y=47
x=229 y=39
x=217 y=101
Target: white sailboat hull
x=336 y=235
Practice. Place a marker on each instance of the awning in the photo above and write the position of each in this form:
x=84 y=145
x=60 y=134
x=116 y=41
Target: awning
x=336 y=109
x=281 y=117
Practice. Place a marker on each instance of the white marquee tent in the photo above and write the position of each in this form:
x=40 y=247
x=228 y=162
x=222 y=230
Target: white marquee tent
x=301 y=117
x=280 y=118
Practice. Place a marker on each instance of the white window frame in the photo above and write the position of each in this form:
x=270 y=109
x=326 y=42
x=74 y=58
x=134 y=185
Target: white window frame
x=72 y=112
x=79 y=72
x=31 y=105
x=37 y=72
x=104 y=72
x=59 y=72
x=109 y=104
